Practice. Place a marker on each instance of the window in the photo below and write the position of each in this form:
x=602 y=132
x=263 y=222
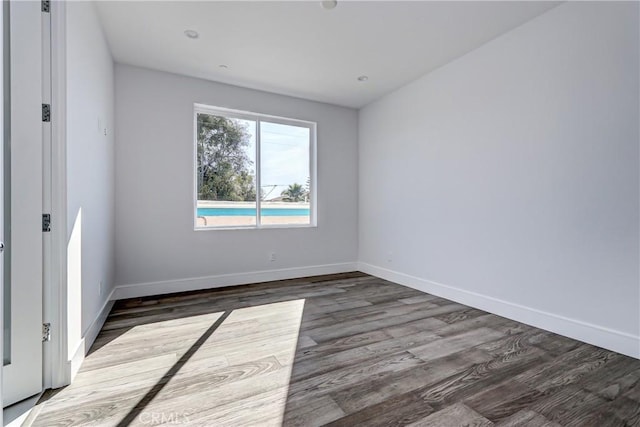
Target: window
x=253 y=170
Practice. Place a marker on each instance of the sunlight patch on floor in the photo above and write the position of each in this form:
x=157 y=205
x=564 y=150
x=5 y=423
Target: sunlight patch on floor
x=259 y=345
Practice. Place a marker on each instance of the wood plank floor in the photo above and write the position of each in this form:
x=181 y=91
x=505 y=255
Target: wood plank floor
x=341 y=350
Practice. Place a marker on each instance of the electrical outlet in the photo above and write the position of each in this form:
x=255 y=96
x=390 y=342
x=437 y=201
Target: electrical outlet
x=389 y=257
x=272 y=256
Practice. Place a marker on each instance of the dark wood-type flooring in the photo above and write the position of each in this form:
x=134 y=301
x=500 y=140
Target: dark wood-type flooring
x=341 y=350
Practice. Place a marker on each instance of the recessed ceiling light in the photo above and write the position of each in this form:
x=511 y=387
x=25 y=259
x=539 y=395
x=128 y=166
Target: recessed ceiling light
x=363 y=78
x=192 y=34
x=223 y=66
x=329 y=4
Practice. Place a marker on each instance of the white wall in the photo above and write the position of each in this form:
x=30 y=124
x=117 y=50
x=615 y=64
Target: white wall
x=508 y=179
x=90 y=170
x=157 y=249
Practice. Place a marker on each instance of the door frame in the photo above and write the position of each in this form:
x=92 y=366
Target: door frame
x=59 y=365
x=1 y=202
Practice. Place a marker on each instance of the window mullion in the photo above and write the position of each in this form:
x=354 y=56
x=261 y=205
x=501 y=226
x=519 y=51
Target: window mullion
x=258 y=183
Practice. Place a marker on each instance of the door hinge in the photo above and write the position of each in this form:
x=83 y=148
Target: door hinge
x=46 y=112
x=46 y=222
x=45 y=6
x=46 y=332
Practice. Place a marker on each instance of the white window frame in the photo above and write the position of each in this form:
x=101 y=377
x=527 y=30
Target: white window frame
x=257 y=117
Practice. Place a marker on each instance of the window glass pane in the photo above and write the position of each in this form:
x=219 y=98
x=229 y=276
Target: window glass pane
x=226 y=185
x=285 y=178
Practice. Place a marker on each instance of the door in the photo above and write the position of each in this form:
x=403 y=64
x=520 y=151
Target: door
x=22 y=370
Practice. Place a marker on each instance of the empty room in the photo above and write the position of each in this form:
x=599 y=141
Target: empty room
x=309 y=213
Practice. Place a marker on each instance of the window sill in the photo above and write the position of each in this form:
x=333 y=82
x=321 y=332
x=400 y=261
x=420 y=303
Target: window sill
x=253 y=227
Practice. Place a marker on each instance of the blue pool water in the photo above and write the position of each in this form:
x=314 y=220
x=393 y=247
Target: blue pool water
x=252 y=212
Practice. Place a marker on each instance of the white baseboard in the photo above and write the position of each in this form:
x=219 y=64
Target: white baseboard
x=88 y=338
x=610 y=339
x=210 y=282
x=93 y=330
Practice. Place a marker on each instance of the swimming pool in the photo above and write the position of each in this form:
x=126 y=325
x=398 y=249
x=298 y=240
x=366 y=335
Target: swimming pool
x=252 y=212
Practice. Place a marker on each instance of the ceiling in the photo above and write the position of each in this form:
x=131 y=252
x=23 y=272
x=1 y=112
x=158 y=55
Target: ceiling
x=298 y=48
